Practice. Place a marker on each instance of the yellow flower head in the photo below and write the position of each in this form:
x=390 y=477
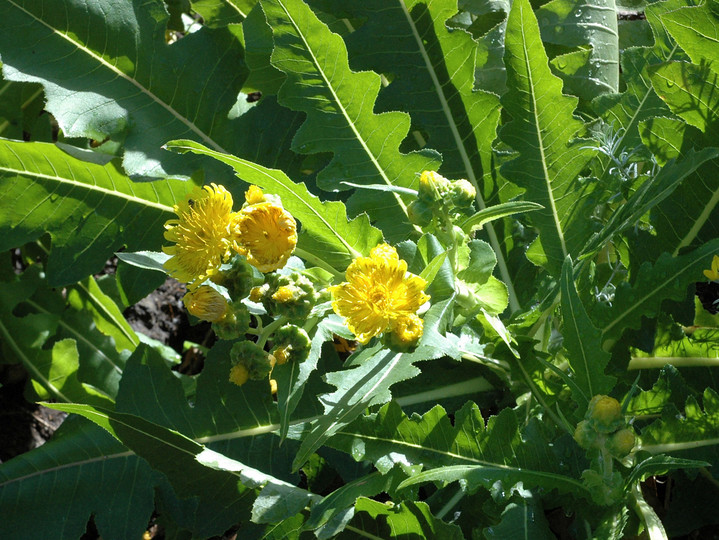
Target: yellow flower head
x=202 y=234
x=713 y=274
x=408 y=330
x=267 y=235
x=206 y=303
x=380 y=295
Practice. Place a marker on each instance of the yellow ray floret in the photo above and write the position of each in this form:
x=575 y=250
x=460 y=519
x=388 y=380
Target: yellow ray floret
x=380 y=295
x=267 y=235
x=713 y=273
x=202 y=233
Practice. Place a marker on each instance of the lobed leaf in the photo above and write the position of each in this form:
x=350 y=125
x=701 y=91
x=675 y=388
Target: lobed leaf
x=340 y=119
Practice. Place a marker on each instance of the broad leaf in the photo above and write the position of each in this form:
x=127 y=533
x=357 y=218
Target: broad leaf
x=326 y=239
x=542 y=132
x=340 y=119
x=90 y=210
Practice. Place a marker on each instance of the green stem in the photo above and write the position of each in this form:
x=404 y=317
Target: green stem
x=658 y=362
x=267 y=331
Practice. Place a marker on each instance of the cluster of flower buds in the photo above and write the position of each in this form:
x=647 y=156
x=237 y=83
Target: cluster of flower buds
x=289 y=295
x=604 y=428
x=437 y=197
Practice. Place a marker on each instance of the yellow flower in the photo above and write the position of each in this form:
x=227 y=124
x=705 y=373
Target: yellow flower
x=267 y=235
x=254 y=195
x=202 y=234
x=713 y=274
x=206 y=303
x=380 y=295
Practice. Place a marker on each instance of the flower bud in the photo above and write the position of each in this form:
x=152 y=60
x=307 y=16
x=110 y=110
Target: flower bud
x=239 y=374
x=585 y=435
x=239 y=278
x=406 y=333
x=235 y=324
x=462 y=193
x=253 y=357
x=605 y=413
x=291 y=295
x=432 y=186
x=621 y=443
x=206 y=303
x=419 y=213
x=291 y=344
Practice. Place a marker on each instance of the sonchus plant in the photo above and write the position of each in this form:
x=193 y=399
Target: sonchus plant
x=456 y=269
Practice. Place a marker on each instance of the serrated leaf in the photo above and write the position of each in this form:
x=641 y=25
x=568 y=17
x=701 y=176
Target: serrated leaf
x=190 y=467
x=668 y=278
x=91 y=473
x=583 y=342
x=90 y=210
x=339 y=102
x=542 y=131
x=326 y=238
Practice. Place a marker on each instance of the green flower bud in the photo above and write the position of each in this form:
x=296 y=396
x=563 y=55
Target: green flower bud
x=432 y=187
x=621 y=443
x=235 y=324
x=462 y=193
x=605 y=414
x=291 y=295
x=239 y=278
x=291 y=344
x=254 y=359
x=585 y=435
x=419 y=212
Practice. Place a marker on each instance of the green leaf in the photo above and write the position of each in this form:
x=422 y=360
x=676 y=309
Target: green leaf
x=340 y=102
x=583 y=342
x=90 y=210
x=326 y=238
x=541 y=132
x=592 y=23
x=82 y=471
x=218 y=13
x=649 y=195
x=668 y=278
x=403 y=520
x=468 y=449
x=34 y=339
x=695 y=30
x=192 y=469
x=498 y=211
x=523 y=519
x=690 y=91
x=686 y=433
x=657 y=465
x=696 y=198
x=122 y=81
x=149 y=260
